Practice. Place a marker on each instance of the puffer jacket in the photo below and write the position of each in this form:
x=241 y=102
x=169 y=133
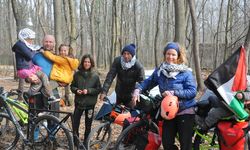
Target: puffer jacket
x=40 y=60
x=63 y=67
x=23 y=55
x=86 y=80
x=184 y=87
x=126 y=79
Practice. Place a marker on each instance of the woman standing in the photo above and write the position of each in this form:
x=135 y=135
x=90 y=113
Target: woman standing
x=174 y=78
x=86 y=86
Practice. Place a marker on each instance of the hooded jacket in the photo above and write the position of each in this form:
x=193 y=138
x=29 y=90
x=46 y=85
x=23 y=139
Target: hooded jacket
x=63 y=67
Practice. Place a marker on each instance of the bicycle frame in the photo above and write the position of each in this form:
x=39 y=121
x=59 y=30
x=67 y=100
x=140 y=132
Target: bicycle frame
x=5 y=102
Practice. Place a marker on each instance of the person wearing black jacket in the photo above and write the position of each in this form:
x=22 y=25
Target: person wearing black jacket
x=86 y=86
x=128 y=71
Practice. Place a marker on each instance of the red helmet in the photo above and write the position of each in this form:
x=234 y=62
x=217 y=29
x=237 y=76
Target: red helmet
x=169 y=107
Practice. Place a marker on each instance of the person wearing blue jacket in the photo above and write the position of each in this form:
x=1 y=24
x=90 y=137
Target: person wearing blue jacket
x=174 y=78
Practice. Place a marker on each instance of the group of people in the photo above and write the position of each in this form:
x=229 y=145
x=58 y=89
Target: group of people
x=46 y=70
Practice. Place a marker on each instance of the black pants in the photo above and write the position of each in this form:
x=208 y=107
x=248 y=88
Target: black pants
x=89 y=113
x=183 y=125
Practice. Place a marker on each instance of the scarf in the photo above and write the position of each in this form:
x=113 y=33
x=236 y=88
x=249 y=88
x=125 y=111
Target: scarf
x=171 y=70
x=127 y=65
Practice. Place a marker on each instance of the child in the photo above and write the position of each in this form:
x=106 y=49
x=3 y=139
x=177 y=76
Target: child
x=86 y=87
x=24 y=51
x=63 y=65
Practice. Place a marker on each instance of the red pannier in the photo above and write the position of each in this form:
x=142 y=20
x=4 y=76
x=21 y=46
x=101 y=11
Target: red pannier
x=231 y=135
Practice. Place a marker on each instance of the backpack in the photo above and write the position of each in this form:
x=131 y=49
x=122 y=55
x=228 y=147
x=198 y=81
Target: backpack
x=232 y=135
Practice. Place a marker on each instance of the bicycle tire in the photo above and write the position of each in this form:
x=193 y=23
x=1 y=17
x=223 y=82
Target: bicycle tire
x=9 y=135
x=100 y=137
x=45 y=135
x=126 y=138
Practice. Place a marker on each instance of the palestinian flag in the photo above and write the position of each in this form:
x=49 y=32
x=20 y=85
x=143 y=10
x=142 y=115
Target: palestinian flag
x=229 y=78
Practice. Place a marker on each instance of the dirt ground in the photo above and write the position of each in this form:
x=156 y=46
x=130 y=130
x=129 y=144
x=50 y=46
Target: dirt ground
x=7 y=81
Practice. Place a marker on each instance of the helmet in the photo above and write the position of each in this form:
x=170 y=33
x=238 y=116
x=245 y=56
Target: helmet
x=169 y=107
x=120 y=117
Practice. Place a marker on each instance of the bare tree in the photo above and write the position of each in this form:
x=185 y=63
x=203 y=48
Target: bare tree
x=73 y=26
x=201 y=86
x=180 y=21
x=247 y=44
x=156 y=33
x=247 y=41
x=91 y=14
x=217 y=35
x=228 y=25
x=20 y=17
x=58 y=23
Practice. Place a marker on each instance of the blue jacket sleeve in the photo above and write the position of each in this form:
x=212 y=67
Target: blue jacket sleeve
x=148 y=83
x=189 y=88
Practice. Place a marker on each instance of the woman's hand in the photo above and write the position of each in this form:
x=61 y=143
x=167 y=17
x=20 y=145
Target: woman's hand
x=167 y=93
x=239 y=96
x=84 y=92
x=136 y=96
x=102 y=96
x=79 y=92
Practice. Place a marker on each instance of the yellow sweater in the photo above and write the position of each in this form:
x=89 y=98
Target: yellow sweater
x=63 y=67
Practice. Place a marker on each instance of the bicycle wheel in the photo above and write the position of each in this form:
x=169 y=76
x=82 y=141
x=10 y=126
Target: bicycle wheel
x=127 y=139
x=48 y=133
x=100 y=137
x=9 y=135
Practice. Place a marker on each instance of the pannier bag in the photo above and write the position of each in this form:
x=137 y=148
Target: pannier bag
x=148 y=141
x=231 y=135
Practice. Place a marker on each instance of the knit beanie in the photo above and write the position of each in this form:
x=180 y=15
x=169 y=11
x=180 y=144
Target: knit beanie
x=129 y=48
x=172 y=45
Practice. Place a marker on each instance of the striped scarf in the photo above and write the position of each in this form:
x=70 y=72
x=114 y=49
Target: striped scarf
x=127 y=65
x=171 y=70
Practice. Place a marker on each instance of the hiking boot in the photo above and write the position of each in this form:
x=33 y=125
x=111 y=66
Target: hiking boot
x=201 y=123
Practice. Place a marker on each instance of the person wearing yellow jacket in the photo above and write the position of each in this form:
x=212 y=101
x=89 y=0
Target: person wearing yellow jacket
x=63 y=65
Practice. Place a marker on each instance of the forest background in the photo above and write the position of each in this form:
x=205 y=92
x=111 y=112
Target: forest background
x=210 y=30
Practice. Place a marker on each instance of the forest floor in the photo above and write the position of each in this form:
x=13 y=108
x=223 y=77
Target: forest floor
x=8 y=82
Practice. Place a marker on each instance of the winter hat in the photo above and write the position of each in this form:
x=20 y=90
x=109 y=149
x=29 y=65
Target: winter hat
x=26 y=33
x=172 y=45
x=129 y=48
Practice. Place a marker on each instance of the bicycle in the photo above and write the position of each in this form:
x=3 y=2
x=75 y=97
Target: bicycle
x=44 y=138
x=204 y=139
x=100 y=136
x=128 y=139
x=210 y=139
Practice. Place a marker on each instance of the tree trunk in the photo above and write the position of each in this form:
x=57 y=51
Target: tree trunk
x=228 y=25
x=180 y=22
x=73 y=27
x=217 y=36
x=20 y=18
x=135 y=27
x=247 y=44
x=91 y=15
x=58 y=23
x=156 y=33
x=196 y=47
